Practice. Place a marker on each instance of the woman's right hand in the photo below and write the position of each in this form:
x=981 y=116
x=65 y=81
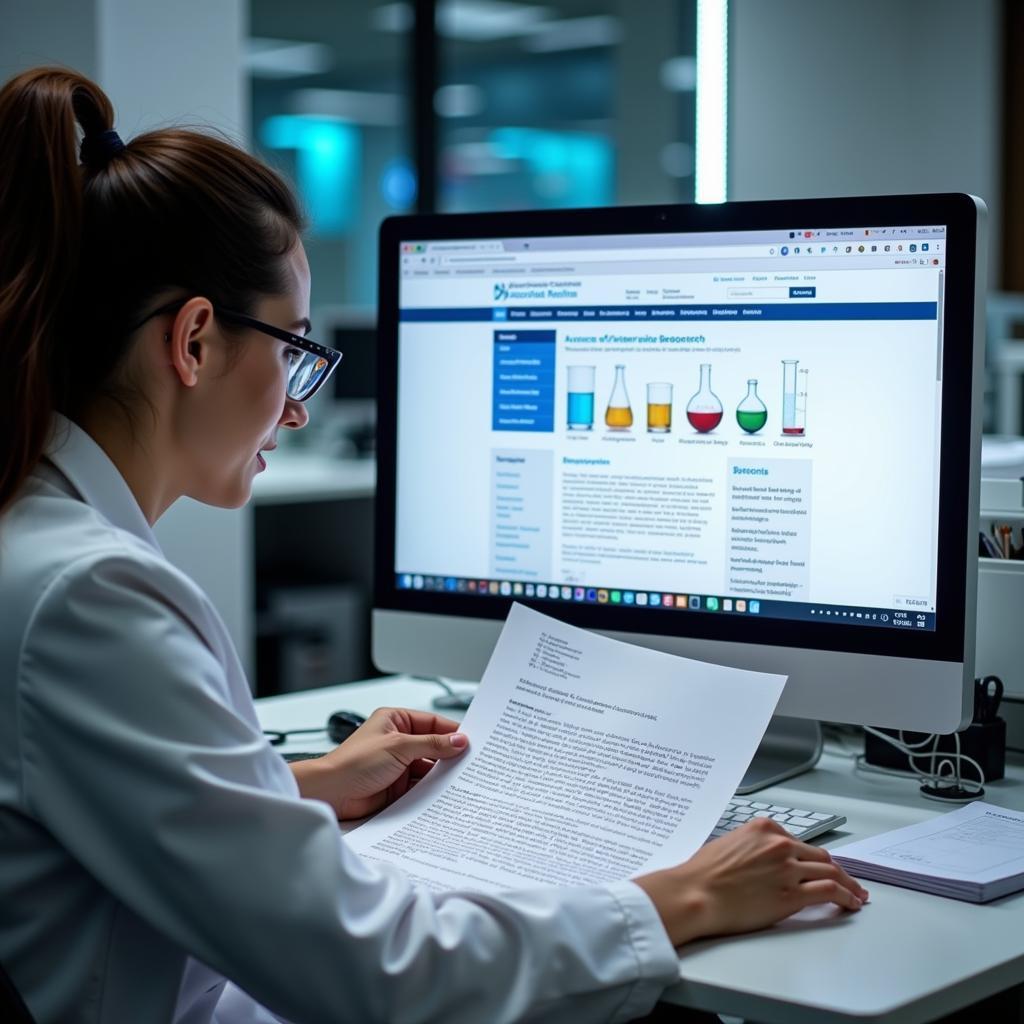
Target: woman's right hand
x=748 y=879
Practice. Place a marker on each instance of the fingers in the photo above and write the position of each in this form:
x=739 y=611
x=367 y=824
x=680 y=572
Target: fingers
x=422 y=722
x=434 y=746
x=813 y=871
x=826 y=890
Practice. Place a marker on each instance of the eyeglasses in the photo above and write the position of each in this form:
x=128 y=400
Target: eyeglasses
x=310 y=363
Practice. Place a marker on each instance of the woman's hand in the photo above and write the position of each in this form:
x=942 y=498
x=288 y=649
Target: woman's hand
x=392 y=750
x=748 y=879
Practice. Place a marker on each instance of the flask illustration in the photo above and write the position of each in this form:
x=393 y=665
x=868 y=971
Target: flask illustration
x=619 y=414
x=794 y=397
x=752 y=413
x=704 y=410
x=659 y=408
x=580 y=387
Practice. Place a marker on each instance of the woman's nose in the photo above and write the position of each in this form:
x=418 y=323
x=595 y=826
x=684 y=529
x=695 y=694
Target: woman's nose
x=295 y=415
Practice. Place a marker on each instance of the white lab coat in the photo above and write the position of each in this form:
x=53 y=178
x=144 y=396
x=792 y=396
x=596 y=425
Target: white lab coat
x=152 y=844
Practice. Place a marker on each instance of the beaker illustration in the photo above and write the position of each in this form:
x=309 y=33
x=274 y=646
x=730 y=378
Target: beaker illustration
x=659 y=408
x=794 y=397
x=580 y=387
x=619 y=414
x=751 y=413
x=704 y=410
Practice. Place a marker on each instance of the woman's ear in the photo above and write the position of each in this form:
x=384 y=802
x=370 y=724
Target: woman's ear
x=188 y=340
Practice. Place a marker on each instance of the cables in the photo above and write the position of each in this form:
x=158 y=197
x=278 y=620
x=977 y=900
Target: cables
x=451 y=699
x=942 y=778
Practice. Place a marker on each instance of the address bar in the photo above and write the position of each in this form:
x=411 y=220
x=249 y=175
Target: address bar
x=615 y=255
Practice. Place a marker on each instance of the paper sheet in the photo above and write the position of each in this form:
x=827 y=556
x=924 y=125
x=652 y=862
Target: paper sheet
x=978 y=843
x=590 y=761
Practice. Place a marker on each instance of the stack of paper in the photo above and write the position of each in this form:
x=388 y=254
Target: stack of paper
x=975 y=853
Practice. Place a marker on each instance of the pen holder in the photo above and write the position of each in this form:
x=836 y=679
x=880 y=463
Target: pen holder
x=985 y=742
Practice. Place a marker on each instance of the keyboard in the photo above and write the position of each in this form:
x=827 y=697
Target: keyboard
x=799 y=823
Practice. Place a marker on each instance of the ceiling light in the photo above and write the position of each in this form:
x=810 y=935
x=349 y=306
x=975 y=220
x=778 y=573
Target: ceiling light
x=457 y=100
x=285 y=58
x=712 y=101
x=468 y=20
x=679 y=74
x=573 y=34
x=370 y=108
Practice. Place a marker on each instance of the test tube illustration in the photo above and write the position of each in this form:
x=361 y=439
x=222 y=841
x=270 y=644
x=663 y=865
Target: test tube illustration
x=580 y=387
x=794 y=397
x=619 y=414
x=659 y=408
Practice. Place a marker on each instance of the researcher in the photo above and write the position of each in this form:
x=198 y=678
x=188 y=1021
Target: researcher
x=159 y=862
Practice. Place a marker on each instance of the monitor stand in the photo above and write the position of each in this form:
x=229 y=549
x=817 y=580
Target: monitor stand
x=790 y=747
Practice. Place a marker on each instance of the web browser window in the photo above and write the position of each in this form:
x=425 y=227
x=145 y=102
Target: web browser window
x=715 y=424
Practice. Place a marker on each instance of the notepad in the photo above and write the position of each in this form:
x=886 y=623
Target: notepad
x=975 y=853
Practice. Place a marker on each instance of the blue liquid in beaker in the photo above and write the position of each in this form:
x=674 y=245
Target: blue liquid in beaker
x=581 y=410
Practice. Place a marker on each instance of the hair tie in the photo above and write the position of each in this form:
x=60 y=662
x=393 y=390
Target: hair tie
x=98 y=150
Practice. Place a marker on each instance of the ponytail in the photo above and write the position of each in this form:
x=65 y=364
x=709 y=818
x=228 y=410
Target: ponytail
x=40 y=236
x=85 y=246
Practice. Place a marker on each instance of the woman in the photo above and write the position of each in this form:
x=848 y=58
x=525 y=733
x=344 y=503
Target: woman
x=153 y=302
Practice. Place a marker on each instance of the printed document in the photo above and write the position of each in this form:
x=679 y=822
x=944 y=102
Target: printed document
x=974 y=853
x=590 y=761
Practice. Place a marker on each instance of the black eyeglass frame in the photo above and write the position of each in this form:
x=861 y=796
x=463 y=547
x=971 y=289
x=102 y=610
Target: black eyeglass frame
x=332 y=355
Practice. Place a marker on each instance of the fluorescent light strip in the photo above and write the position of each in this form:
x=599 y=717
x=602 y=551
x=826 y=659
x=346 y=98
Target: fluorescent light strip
x=712 y=100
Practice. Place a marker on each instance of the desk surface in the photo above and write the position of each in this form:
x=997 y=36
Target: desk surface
x=294 y=477
x=906 y=958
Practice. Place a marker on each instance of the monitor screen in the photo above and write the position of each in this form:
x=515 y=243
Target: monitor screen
x=747 y=433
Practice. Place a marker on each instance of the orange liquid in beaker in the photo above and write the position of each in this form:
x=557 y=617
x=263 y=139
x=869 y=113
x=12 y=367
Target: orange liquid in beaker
x=659 y=416
x=619 y=416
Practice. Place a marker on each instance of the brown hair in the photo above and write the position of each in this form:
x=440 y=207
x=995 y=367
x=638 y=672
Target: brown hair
x=85 y=247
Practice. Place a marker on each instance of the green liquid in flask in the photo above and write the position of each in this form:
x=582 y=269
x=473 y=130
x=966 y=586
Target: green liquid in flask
x=752 y=421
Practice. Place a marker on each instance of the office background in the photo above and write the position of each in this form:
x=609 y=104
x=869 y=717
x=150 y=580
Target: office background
x=374 y=108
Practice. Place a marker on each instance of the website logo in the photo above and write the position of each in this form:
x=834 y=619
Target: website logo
x=500 y=291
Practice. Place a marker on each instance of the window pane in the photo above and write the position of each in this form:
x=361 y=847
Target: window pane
x=329 y=110
x=569 y=103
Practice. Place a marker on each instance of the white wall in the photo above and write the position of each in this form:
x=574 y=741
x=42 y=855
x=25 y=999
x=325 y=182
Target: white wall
x=34 y=32
x=863 y=97
x=175 y=63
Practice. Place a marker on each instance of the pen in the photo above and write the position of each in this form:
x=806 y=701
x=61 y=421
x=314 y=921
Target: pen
x=1004 y=539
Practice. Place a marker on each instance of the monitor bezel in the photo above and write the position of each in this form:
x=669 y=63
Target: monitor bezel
x=948 y=642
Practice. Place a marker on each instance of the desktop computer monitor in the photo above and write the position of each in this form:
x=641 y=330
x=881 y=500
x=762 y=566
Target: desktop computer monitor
x=747 y=433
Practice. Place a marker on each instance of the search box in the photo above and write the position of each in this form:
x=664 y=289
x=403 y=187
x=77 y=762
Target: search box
x=766 y=292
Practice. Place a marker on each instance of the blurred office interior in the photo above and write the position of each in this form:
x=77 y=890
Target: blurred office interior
x=373 y=108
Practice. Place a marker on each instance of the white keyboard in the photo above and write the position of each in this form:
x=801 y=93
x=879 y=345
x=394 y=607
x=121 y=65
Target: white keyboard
x=799 y=823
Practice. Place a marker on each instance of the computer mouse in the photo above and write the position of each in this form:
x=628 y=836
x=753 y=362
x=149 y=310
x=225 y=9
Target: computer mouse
x=342 y=724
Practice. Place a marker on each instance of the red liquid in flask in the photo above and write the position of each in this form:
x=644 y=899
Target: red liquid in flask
x=792 y=430
x=703 y=422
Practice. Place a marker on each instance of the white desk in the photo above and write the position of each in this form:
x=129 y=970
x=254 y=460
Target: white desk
x=297 y=476
x=906 y=958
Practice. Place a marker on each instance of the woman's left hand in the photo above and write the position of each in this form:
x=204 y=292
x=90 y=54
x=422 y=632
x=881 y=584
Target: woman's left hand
x=391 y=751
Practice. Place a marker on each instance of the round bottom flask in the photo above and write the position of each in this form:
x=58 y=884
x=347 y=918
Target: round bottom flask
x=704 y=410
x=752 y=413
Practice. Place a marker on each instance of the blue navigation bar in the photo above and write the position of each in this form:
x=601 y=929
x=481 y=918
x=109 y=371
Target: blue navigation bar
x=694 y=312
x=524 y=380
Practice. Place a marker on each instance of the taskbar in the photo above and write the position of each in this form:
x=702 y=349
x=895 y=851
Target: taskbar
x=714 y=604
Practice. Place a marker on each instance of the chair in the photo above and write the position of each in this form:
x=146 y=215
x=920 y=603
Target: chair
x=12 y=1007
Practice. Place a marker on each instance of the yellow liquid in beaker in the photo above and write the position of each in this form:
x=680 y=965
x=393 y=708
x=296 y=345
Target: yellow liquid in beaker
x=659 y=416
x=619 y=416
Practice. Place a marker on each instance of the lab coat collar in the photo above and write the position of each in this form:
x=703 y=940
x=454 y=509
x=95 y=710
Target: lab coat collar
x=91 y=472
